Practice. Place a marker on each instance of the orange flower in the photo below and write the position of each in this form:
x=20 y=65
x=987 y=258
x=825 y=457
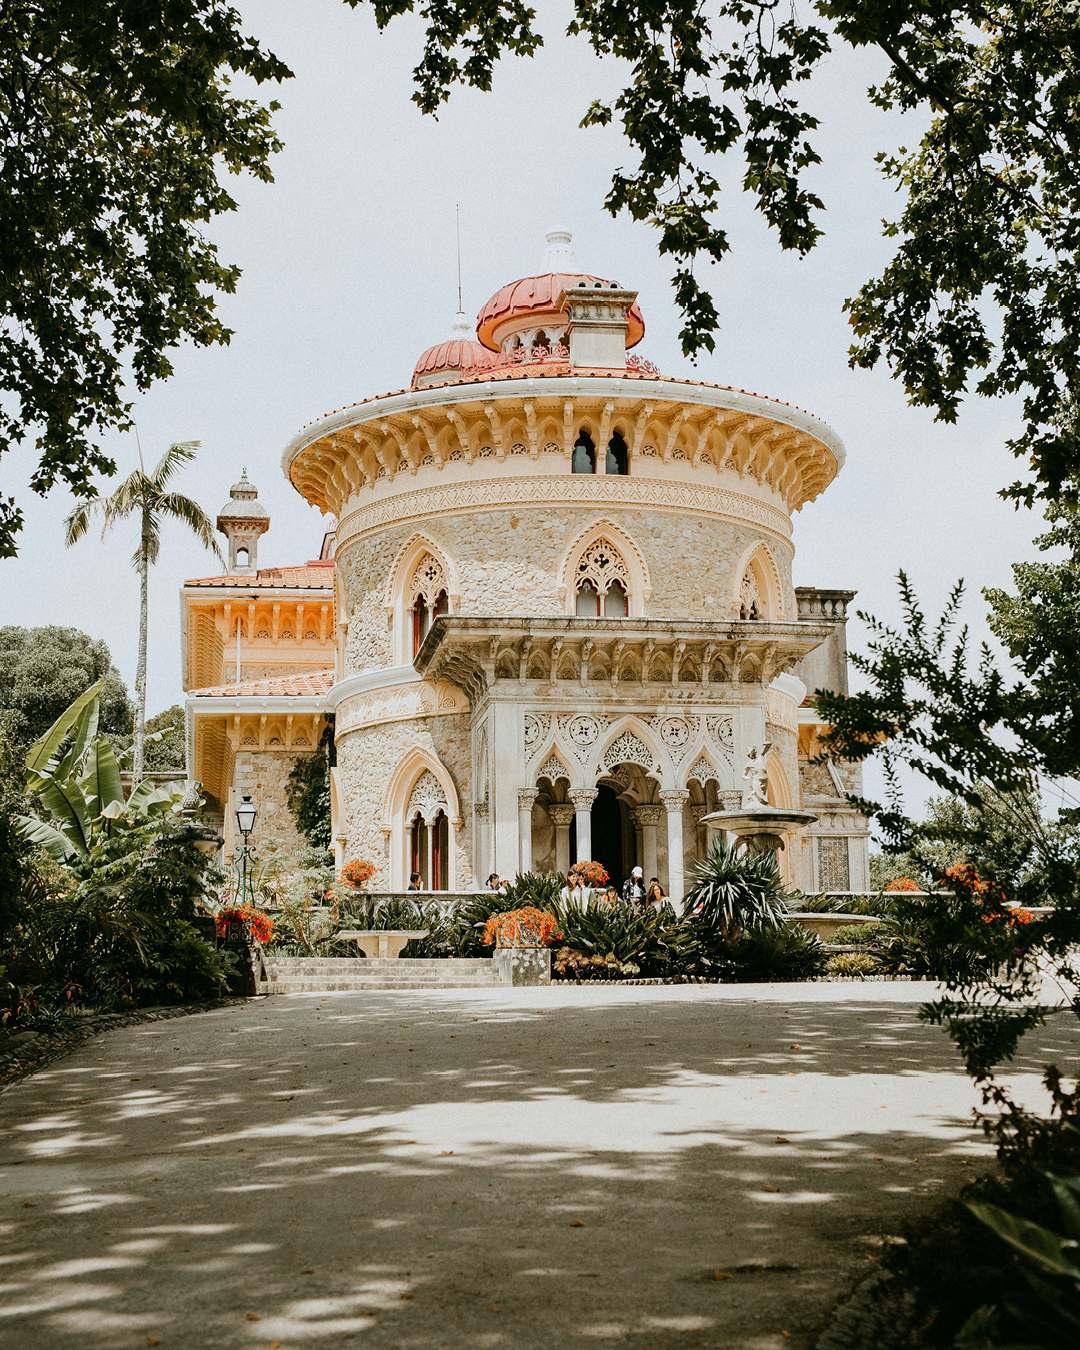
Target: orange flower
x=527 y=927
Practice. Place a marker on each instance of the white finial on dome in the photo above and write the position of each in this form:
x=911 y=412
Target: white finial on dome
x=559 y=253
x=460 y=328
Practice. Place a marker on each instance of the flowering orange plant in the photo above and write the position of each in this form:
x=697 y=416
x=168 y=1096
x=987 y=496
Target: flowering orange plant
x=527 y=927
x=592 y=873
x=259 y=924
x=965 y=876
x=903 y=884
x=358 y=872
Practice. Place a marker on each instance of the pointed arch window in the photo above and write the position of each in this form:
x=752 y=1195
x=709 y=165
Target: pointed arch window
x=602 y=582
x=618 y=457
x=428 y=597
x=584 y=459
x=750 y=598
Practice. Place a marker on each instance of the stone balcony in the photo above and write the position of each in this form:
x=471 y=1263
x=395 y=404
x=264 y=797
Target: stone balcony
x=688 y=655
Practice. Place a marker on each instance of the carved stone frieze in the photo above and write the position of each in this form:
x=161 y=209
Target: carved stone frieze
x=721 y=732
x=628 y=749
x=553 y=769
x=400 y=704
x=537 y=726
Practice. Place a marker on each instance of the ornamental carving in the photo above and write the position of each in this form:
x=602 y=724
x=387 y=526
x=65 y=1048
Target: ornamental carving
x=674 y=732
x=780 y=709
x=537 y=726
x=518 y=449
x=750 y=606
x=583 y=731
x=702 y=770
x=486 y=452
x=428 y=798
x=628 y=749
x=428 y=580
x=553 y=769
x=646 y=815
x=483 y=494
x=551 y=449
x=722 y=734
x=602 y=564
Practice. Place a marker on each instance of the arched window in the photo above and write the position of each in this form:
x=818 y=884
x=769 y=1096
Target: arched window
x=541 y=339
x=602 y=582
x=750 y=606
x=242 y=557
x=584 y=454
x=428 y=594
x=618 y=460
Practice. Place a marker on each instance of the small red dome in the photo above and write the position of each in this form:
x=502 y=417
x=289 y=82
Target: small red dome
x=540 y=295
x=455 y=354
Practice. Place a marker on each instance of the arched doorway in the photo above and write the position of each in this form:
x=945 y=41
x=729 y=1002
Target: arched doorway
x=607 y=840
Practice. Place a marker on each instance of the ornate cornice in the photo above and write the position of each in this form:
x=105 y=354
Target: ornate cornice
x=398 y=703
x=566 y=490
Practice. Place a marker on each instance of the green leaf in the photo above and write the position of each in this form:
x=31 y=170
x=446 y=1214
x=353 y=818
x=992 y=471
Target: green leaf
x=48 y=836
x=78 y=715
x=1031 y=1240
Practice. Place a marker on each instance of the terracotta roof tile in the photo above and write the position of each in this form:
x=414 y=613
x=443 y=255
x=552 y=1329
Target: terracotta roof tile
x=285 y=686
x=312 y=576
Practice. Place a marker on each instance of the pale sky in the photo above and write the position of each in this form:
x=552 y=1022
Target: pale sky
x=350 y=272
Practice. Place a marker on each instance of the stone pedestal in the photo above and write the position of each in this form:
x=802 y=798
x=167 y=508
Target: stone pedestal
x=523 y=965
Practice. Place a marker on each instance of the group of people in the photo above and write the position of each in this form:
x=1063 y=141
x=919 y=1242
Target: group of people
x=634 y=891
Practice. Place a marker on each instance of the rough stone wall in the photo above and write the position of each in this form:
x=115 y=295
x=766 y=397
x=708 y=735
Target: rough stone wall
x=366 y=761
x=508 y=562
x=264 y=773
x=815 y=780
x=253 y=670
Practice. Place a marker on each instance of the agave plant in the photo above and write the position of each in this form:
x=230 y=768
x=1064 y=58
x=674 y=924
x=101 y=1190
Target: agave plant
x=73 y=772
x=733 y=889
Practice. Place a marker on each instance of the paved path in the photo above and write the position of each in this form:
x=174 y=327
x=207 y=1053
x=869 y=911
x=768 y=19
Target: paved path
x=528 y=1168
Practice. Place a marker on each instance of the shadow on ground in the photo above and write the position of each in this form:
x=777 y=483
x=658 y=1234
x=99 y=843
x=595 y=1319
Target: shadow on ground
x=666 y=1167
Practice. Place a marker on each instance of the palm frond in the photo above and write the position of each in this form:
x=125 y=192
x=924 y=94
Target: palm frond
x=192 y=515
x=77 y=522
x=177 y=455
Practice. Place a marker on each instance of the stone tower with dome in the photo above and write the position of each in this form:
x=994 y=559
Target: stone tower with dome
x=563 y=609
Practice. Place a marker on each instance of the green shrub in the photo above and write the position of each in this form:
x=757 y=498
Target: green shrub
x=735 y=889
x=856 y=933
x=931 y=939
x=786 y=952
x=653 y=940
x=858 y=964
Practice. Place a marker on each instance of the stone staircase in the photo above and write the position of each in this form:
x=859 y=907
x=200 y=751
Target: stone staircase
x=326 y=974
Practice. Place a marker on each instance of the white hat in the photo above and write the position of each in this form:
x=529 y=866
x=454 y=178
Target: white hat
x=636 y=872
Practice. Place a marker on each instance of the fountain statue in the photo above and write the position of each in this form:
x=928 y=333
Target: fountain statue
x=758 y=825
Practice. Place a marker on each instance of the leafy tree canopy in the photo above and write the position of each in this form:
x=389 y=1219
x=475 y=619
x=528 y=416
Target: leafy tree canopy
x=115 y=118
x=984 y=288
x=162 y=755
x=44 y=670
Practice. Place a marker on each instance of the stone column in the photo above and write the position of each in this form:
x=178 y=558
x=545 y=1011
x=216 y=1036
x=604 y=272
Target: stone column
x=526 y=797
x=697 y=810
x=408 y=857
x=561 y=813
x=674 y=799
x=481 y=847
x=583 y=799
x=648 y=817
x=432 y=879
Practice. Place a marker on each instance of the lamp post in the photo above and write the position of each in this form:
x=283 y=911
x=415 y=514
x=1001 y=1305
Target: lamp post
x=245 y=823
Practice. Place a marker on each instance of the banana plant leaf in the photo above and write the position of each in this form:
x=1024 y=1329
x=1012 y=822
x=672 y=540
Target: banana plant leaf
x=99 y=780
x=1038 y=1244
x=63 y=799
x=149 y=800
x=81 y=715
x=48 y=836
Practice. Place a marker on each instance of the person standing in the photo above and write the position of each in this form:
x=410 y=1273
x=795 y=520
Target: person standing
x=633 y=889
x=655 y=896
x=416 y=882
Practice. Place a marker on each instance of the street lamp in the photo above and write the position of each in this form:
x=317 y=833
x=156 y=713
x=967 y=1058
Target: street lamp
x=245 y=823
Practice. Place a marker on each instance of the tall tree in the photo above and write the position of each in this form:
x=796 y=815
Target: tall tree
x=116 y=117
x=145 y=496
x=44 y=670
x=985 y=282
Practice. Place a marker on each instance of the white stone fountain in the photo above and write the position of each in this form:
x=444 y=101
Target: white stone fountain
x=758 y=826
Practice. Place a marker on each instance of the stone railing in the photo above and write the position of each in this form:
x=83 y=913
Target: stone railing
x=556 y=354
x=446 y=903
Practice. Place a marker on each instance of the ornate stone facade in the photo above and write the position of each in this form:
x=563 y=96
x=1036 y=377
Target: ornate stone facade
x=563 y=600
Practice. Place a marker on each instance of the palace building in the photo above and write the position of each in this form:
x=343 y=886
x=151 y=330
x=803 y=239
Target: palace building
x=554 y=614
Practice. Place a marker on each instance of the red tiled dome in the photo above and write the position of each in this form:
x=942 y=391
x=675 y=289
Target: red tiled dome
x=455 y=354
x=540 y=295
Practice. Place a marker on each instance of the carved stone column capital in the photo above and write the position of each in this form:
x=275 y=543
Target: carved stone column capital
x=561 y=813
x=583 y=798
x=646 y=815
x=526 y=797
x=674 y=798
x=699 y=809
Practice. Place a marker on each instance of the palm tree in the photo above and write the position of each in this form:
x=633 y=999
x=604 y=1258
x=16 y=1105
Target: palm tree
x=144 y=495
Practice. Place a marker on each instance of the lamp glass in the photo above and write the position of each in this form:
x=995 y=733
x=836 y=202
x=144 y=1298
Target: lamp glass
x=245 y=814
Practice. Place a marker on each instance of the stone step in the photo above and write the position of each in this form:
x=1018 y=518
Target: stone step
x=375 y=963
